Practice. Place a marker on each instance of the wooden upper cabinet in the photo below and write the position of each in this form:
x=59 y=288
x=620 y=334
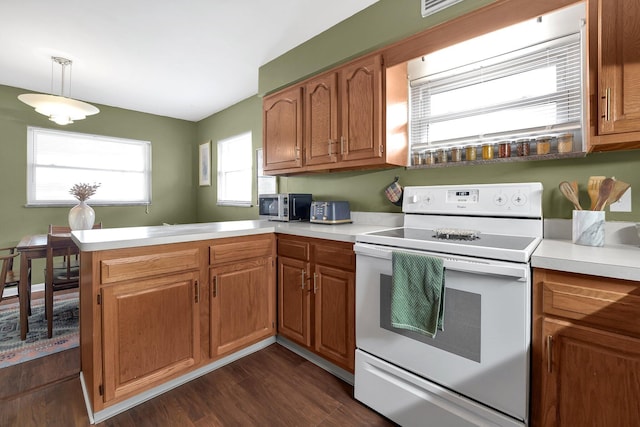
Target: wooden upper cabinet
x=361 y=98
x=321 y=120
x=282 y=130
x=615 y=68
x=343 y=125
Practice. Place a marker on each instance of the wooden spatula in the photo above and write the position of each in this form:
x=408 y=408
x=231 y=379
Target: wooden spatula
x=619 y=188
x=606 y=187
x=593 y=189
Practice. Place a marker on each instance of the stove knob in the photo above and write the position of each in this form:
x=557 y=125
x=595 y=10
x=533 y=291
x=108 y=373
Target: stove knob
x=500 y=199
x=519 y=199
x=412 y=198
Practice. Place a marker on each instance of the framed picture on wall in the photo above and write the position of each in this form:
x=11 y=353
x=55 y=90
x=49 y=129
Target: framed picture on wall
x=204 y=163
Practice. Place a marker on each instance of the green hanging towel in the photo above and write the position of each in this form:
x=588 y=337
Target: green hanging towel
x=417 y=293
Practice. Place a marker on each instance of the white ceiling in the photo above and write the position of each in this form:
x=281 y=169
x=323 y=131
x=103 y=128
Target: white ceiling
x=183 y=59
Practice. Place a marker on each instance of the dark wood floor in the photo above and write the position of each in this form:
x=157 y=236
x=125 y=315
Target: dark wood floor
x=273 y=387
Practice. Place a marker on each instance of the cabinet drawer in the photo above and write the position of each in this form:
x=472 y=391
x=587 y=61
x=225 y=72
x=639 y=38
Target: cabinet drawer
x=341 y=256
x=240 y=248
x=614 y=305
x=135 y=267
x=295 y=249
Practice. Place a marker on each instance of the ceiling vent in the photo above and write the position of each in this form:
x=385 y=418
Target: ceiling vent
x=429 y=7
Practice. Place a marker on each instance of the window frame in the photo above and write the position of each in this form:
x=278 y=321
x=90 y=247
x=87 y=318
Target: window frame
x=244 y=137
x=571 y=34
x=34 y=132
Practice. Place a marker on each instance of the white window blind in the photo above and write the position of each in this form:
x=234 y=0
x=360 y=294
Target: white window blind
x=531 y=91
x=234 y=170
x=56 y=160
x=429 y=7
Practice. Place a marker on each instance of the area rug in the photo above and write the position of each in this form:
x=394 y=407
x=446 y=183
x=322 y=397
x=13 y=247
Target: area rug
x=65 y=330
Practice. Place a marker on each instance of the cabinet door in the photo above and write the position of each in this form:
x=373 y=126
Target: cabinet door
x=321 y=120
x=150 y=332
x=619 y=66
x=294 y=300
x=590 y=378
x=361 y=102
x=334 y=296
x=282 y=133
x=242 y=305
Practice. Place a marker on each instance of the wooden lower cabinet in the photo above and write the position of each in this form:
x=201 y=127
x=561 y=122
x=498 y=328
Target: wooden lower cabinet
x=242 y=283
x=316 y=297
x=152 y=314
x=294 y=300
x=150 y=331
x=586 y=350
x=242 y=305
x=334 y=297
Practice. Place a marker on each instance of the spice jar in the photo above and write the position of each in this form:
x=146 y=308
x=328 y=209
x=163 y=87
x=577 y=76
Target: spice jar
x=543 y=145
x=504 y=149
x=456 y=154
x=415 y=158
x=429 y=157
x=487 y=151
x=470 y=153
x=441 y=156
x=523 y=147
x=565 y=143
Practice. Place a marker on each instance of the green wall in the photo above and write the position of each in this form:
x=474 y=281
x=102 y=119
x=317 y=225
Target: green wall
x=388 y=21
x=177 y=198
x=245 y=116
x=173 y=182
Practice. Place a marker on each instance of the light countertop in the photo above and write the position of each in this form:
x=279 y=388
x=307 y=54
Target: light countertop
x=128 y=237
x=619 y=258
x=618 y=261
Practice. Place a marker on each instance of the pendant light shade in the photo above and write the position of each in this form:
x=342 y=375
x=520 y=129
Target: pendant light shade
x=60 y=109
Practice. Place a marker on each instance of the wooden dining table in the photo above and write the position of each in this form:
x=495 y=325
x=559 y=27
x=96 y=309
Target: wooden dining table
x=30 y=247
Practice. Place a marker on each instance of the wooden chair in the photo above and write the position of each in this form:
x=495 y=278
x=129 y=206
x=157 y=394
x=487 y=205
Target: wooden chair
x=7 y=276
x=62 y=269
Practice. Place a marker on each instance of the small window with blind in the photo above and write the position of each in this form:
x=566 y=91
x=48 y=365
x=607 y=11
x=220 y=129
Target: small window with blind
x=520 y=83
x=56 y=160
x=235 y=158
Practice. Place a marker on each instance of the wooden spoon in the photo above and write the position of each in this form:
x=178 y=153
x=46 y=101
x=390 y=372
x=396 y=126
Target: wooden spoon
x=567 y=190
x=619 y=188
x=593 y=189
x=606 y=187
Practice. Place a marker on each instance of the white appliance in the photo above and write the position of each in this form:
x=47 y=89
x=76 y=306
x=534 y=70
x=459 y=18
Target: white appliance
x=476 y=371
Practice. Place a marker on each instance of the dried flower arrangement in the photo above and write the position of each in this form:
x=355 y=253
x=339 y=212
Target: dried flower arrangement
x=83 y=191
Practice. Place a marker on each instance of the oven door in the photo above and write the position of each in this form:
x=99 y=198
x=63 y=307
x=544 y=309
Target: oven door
x=483 y=352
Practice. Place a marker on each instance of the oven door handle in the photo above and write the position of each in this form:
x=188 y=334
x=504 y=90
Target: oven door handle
x=451 y=263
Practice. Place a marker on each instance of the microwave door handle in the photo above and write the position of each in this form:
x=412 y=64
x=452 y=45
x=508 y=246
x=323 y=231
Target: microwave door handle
x=294 y=214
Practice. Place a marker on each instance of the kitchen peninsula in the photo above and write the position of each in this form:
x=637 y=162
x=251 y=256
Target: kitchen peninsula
x=163 y=305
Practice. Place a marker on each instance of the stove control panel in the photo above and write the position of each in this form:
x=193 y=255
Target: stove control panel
x=512 y=199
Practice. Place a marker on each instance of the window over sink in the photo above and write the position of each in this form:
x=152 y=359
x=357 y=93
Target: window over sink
x=476 y=100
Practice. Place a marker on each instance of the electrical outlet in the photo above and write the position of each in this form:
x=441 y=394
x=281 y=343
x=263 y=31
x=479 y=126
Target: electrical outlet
x=622 y=205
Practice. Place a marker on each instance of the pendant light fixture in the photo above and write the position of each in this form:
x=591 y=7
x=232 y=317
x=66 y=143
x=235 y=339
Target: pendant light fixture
x=60 y=109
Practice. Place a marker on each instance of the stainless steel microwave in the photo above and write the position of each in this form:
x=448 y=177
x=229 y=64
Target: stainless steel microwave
x=284 y=206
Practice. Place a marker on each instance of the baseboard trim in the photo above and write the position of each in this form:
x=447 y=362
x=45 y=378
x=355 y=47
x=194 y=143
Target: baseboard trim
x=337 y=371
x=98 y=417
